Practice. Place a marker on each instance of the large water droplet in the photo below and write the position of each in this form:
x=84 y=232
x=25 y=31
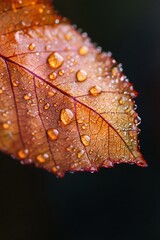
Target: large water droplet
x=85 y=140
x=81 y=75
x=53 y=134
x=55 y=60
x=66 y=116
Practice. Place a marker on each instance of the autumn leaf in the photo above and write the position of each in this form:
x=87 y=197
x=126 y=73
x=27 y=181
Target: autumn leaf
x=64 y=104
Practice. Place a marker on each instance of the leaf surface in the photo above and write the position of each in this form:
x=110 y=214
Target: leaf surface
x=64 y=104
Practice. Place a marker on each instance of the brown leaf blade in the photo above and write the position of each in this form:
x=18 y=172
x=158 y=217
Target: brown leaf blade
x=64 y=105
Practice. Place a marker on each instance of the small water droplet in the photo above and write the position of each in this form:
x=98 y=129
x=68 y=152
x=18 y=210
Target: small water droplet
x=61 y=72
x=80 y=154
x=15 y=83
x=42 y=158
x=55 y=60
x=69 y=148
x=68 y=36
x=53 y=134
x=41 y=10
x=23 y=153
x=51 y=93
x=83 y=50
x=138 y=121
x=27 y=96
x=32 y=46
x=46 y=106
x=66 y=116
x=6 y=125
x=115 y=72
x=52 y=76
x=81 y=75
x=95 y=90
x=121 y=101
x=85 y=140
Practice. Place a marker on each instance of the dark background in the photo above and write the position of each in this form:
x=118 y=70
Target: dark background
x=121 y=203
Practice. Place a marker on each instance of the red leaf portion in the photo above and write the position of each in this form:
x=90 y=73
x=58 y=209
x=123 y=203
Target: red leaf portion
x=64 y=105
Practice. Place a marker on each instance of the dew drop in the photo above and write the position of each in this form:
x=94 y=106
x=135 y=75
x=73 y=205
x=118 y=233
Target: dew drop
x=27 y=96
x=15 y=83
x=42 y=158
x=138 y=121
x=95 y=90
x=83 y=50
x=41 y=10
x=85 y=140
x=66 y=116
x=51 y=93
x=6 y=125
x=52 y=76
x=68 y=36
x=23 y=153
x=115 y=72
x=53 y=134
x=32 y=46
x=61 y=72
x=81 y=75
x=121 y=101
x=46 y=106
x=69 y=148
x=80 y=154
x=55 y=60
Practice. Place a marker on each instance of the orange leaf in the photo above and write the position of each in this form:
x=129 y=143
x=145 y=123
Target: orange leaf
x=64 y=105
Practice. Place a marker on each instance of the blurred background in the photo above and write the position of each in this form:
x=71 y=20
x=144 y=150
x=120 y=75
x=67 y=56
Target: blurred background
x=121 y=203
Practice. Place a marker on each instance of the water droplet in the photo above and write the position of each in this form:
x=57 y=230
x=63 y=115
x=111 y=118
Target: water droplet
x=42 y=158
x=115 y=72
x=41 y=10
x=15 y=83
x=51 y=93
x=61 y=72
x=66 y=116
x=27 y=96
x=6 y=125
x=46 y=106
x=52 y=76
x=138 y=121
x=81 y=75
x=83 y=50
x=32 y=46
x=80 y=154
x=68 y=36
x=55 y=60
x=53 y=134
x=23 y=153
x=54 y=169
x=85 y=140
x=95 y=90
x=69 y=148
x=121 y=101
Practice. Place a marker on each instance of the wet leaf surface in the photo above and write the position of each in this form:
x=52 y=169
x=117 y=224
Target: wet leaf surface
x=64 y=104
